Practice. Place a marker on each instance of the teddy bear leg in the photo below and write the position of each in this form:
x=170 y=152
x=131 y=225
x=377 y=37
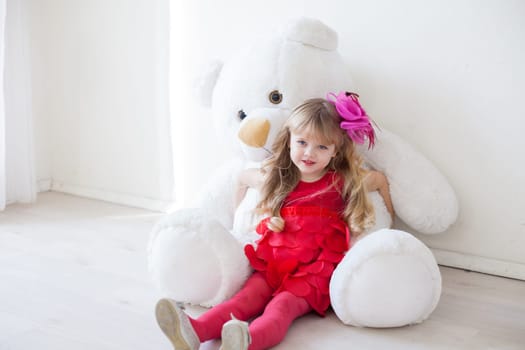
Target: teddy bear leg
x=195 y=260
x=388 y=279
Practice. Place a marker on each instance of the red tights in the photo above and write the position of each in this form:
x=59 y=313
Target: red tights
x=255 y=297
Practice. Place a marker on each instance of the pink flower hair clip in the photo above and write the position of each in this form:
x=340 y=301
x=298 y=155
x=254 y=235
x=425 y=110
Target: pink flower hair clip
x=355 y=120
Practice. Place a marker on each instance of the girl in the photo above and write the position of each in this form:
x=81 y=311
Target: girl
x=314 y=193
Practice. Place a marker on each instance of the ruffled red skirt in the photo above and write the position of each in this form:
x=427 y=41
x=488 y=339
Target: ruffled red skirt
x=301 y=258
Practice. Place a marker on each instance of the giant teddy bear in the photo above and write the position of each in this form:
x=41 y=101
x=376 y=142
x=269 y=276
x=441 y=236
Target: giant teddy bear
x=388 y=278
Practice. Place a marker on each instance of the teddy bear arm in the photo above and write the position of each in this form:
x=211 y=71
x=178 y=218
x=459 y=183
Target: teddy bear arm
x=218 y=196
x=422 y=196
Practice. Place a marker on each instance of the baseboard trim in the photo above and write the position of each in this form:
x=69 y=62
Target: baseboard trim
x=480 y=264
x=44 y=185
x=113 y=197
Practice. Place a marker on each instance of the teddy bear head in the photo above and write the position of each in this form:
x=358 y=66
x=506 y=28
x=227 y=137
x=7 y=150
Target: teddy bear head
x=253 y=93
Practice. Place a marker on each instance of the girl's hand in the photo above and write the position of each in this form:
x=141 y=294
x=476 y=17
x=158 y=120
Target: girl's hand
x=276 y=224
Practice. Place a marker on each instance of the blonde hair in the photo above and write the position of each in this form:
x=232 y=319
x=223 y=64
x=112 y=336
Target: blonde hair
x=320 y=117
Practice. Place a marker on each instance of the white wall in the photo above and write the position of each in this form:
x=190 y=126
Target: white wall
x=100 y=99
x=448 y=76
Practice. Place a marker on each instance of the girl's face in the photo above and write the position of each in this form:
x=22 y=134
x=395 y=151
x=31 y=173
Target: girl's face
x=310 y=155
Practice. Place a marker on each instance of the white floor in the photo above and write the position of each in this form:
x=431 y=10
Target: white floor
x=73 y=275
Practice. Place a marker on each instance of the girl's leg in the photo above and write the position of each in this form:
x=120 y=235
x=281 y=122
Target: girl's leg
x=270 y=328
x=247 y=303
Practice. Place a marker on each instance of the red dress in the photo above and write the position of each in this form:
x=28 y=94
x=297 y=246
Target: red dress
x=302 y=258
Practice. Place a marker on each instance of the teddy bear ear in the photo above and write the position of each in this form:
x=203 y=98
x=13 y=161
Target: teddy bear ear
x=204 y=83
x=312 y=32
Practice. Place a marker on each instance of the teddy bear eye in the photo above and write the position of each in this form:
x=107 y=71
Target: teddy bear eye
x=275 y=97
x=241 y=114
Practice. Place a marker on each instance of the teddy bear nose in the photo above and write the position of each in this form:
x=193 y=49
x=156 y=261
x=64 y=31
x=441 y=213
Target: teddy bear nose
x=254 y=132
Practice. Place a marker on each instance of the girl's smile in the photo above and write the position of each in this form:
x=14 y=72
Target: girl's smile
x=308 y=162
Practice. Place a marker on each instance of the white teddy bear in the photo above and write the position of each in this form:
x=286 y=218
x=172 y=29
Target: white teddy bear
x=388 y=278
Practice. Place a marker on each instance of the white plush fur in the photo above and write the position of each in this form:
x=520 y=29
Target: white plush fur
x=389 y=278
x=175 y=258
x=421 y=195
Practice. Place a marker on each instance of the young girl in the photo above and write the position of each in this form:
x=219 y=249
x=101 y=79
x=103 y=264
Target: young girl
x=314 y=193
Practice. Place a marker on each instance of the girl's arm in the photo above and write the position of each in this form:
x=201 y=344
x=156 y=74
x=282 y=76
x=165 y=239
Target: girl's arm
x=253 y=178
x=377 y=181
x=248 y=178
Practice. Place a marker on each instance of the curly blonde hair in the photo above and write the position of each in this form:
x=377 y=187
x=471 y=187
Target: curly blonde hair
x=320 y=117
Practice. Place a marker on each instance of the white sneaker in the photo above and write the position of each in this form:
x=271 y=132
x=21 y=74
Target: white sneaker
x=176 y=325
x=235 y=335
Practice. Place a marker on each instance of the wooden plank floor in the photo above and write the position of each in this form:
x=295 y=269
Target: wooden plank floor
x=73 y=275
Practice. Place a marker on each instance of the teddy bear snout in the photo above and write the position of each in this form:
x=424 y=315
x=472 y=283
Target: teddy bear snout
x=254 y=132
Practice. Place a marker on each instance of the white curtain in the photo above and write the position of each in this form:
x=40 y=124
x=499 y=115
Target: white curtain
x=17 y=169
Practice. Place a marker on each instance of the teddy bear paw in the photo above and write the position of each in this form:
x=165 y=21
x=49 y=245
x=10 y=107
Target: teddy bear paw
x=194 y=259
